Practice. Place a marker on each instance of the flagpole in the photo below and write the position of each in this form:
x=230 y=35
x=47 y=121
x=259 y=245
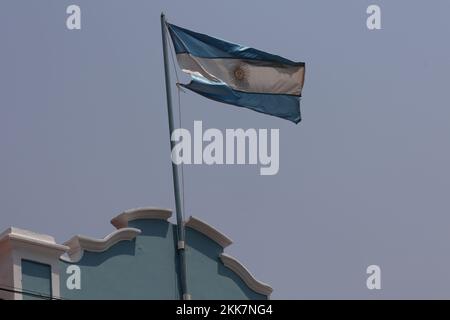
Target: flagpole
x=180 y=223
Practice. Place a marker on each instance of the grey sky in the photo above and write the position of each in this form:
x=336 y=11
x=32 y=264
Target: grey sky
x=363 y=179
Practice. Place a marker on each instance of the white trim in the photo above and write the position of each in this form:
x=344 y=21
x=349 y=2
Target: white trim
x=31 y=238
x=121 y=221
x=245 y=275
x=28 y=234
x=21 y=244
x=209 y=231
x=79 y=243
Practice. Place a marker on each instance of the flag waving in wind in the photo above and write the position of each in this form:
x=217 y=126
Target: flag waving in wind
x=237 y=75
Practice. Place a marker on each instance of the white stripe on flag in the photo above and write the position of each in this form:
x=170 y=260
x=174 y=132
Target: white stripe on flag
x=246 y=75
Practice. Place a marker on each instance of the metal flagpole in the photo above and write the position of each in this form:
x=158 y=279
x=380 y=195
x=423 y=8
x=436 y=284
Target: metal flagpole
x=176 y=186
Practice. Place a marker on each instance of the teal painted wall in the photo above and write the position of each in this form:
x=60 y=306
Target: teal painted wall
x=36 y=279
x=142 y=268
x=146 y=268
x=208 y=278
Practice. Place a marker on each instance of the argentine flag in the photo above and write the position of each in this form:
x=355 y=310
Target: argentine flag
x=237 y=75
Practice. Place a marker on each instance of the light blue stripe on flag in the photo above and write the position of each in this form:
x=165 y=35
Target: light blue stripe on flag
x=204 y=46
x=279 y=105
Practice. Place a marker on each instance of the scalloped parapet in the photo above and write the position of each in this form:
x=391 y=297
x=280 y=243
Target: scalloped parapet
x=138 y=260
x=245 y=275
x=121 y=221
x=209 y=231
x=78 y=244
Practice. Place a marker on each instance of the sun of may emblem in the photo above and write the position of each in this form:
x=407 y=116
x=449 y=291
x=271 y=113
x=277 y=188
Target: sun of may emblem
x=240 y=73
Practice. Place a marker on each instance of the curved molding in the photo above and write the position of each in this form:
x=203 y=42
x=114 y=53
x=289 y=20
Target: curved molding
x=245 y=275
x=121 y=221
x=79 y=243
x=208 y=231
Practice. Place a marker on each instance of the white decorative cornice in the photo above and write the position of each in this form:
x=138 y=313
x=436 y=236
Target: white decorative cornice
x=245 y=275
x=24 y=239
x=79 y=243
x=121 y=221
x=208 y=231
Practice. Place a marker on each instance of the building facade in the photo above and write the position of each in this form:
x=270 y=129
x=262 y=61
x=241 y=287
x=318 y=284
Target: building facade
x=138 y=260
